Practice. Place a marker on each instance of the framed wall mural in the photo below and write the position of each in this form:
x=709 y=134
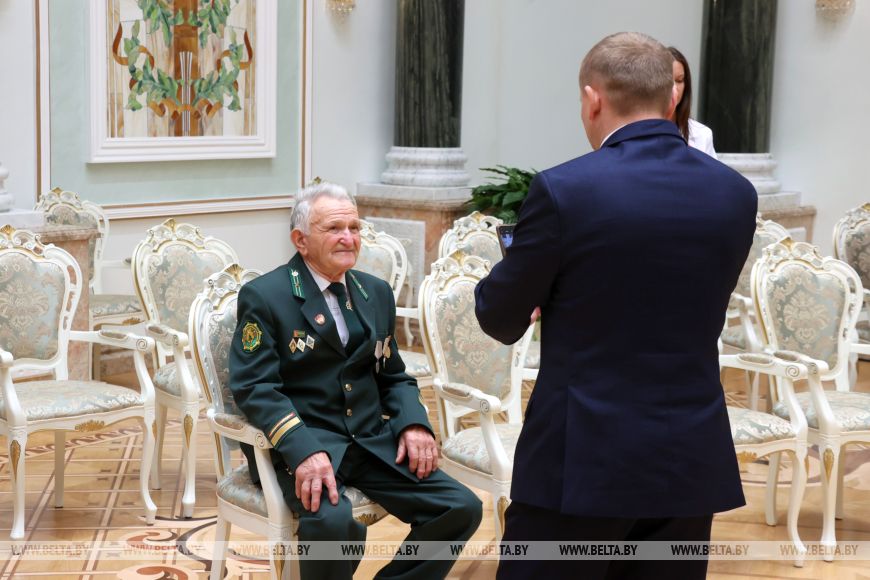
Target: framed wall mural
x=182 y=79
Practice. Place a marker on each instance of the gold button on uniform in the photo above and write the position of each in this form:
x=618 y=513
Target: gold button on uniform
x=349 y=412
x=348 y=387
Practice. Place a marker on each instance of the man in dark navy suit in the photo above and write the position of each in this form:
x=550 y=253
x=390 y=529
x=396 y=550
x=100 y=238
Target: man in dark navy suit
x=629 y=254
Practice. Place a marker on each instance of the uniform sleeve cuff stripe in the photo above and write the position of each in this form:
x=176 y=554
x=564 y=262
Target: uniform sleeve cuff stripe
x=280 y=423
x=276 y=437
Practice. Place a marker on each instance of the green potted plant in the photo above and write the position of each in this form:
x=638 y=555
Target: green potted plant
x=502 y=200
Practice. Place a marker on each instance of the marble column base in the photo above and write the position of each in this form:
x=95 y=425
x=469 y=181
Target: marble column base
x=795 y=219
x=426 y=167
x=436 y=207
x=756 y=167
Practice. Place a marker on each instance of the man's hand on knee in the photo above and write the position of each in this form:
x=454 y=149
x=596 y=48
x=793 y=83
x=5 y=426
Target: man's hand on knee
x=311 y=474
x=418 y=444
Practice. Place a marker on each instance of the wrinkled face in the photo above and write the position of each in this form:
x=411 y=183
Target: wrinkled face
x=679 y=80
x=333 y=243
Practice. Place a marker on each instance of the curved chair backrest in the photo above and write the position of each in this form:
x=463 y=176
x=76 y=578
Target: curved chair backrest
x=852 y=241
x=766 y=232
x=65 y=208
x=40 y=286
x=383 y=256
x=211 y=326
x=460 y=351
x=169 y=267
x=474 y=235
x=807 y=304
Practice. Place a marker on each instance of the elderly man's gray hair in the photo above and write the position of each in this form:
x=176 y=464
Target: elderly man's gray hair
x=300 y=218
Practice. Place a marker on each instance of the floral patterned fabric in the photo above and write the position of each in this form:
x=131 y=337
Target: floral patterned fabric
x=468 y=448
x=752 y=427
x=533 y=355
x=167 y=378
x=377 y=261
x=852 y=410
x=31 y=295
x=65 y=215
x=236 y=488
x=759 y=241
x=483 y=244
x=857 y=246
x=734 y=336
x=471 y=357
x=221 y=327
x=43 y=400
x=806 y=309
x=416 y=364
x=175 y=277
x=103 y=305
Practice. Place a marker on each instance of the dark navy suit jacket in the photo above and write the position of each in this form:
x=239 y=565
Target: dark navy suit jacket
x=632 y=252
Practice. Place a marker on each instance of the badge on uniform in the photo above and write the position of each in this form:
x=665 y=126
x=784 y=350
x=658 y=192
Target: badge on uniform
x=252 y=336
x=301 y=341
x=382 y=353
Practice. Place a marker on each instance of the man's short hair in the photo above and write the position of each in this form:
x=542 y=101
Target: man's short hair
x=635 y=72
x=300 y=218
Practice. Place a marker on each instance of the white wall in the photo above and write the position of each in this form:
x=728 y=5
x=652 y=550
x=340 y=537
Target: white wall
x=18 y=100
x=821 y=110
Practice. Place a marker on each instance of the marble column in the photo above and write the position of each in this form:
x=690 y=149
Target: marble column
x=425 y=184
x=735 y=98
x=737 y=73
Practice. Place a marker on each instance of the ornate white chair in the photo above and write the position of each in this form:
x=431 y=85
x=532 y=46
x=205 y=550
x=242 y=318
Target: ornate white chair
x=169 y=266
x=384 y=256
x=473 y=373
x=476 y=235
x=66 y=208
x=741 y=333
x=39 y=292
x=757 y=434
x=852 y=245
x=258 y=508
x=809 y=305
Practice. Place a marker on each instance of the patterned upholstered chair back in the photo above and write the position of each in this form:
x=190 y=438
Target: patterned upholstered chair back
x=852 y=241
x=474 y=235
x=461 y=352
x=383 y=256
x=169 y=267
x=211 y=327
x=766 y=232
x=65 y=208
x=40 y=288
x=807 y=303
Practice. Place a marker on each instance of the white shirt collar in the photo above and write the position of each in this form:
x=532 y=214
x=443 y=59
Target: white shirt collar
x=321 y=282
x=609 y=135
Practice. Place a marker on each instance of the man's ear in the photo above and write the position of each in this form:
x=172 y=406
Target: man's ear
x=298 y=239
x=593 y=98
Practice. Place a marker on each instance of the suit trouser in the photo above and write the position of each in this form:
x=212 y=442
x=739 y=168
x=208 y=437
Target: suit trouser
x=525 y=523
x=438 y=509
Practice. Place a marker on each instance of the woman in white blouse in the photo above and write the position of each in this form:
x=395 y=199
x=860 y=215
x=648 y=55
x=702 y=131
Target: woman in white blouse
x=698 y=136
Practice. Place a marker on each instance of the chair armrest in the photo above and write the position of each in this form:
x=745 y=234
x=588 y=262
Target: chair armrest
x=237 y=428
x=14 y=416
x=6 y=359
x=765 y=364
x=114 y=338
x=165 y=335
x=859 y=348
x=407 y=312
x=468 y=397
x=815 y=367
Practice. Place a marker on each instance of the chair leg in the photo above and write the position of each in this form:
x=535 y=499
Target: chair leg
x=219 y=556
x=145 y=467
x=841 y=474
x=280 y=560
x=752 y=381
x=17 y=443
x=798 y=485
x=500 y=503
x=772 y=485
x=157 y=468
x=59 y=457
x=409 y=338
x=96 y=354
x=188 y=499
x=830 y=463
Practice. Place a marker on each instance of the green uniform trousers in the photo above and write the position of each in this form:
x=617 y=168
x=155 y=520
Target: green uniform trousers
x=438 y=508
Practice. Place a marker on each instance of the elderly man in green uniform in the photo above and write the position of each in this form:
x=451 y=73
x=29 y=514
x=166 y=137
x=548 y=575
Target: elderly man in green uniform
x=315 y=366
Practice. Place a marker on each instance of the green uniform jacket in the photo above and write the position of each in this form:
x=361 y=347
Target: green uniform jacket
x=291 y=377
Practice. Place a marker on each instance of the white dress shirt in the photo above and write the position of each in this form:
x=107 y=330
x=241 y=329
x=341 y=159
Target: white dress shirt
x=332 y=303
x=701 y=137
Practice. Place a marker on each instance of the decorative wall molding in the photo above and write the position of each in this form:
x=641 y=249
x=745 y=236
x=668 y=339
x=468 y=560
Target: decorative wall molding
x=205 y=206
